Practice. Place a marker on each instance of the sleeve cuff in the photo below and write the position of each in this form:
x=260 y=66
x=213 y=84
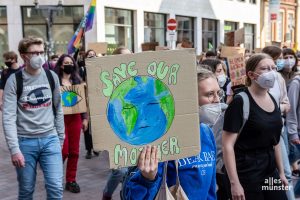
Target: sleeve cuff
x=293 y=136
x=15 y=150
x=61 y=138
x=147 y=183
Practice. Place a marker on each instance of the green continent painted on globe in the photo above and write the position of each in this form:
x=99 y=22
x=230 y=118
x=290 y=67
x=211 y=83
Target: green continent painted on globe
x=69 y=98
x=141 y=110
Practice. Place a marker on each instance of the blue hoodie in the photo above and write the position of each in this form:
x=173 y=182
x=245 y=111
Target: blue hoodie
x=197 y=174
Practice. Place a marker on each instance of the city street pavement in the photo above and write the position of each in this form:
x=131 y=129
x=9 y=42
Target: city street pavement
x=91 y=176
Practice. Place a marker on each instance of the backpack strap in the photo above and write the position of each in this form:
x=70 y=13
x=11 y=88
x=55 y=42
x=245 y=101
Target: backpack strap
x=246 y=108
x=19 y=81
x=52 y=86
x=50 y=79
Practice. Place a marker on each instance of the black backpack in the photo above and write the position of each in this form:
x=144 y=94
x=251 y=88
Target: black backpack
x=19 y=81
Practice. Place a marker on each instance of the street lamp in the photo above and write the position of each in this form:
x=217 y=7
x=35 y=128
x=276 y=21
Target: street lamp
x=48 y=13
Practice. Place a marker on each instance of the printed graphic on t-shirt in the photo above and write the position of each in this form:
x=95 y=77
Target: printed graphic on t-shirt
x=36 y=97
x=204 y=160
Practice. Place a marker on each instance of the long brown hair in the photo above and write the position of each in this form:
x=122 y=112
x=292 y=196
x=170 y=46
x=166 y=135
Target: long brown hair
x=252 y=63
x=291 y=52
x=74 y=75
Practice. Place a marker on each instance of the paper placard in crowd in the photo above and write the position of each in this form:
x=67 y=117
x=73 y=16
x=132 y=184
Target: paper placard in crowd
x=98 y=47
x=231 y=51
x=237 y=69
x=257 y=50
x=161 y=48
x=239 y=36
x=73 y=99
x=229 y=39
x=141 y=99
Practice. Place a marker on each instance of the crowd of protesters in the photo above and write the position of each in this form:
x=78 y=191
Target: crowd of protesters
x=251 y=129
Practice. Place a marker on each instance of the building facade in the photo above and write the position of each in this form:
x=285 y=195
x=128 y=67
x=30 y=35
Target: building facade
x=130 y=23
x=283 y=30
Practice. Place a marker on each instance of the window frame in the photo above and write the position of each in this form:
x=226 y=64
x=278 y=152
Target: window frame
x=122 y=25
x=75 y=25
x=4 y=24
x=192 y=30
x=208 y=31
x=253 y=33
x=165 y=24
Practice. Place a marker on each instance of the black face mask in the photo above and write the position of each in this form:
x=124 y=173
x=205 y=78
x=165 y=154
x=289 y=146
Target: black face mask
x=8 y=64
x=68 y=69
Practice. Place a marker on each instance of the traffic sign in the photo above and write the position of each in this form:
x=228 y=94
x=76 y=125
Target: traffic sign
x=171 y=24
x=273 y=16
x=171 y=36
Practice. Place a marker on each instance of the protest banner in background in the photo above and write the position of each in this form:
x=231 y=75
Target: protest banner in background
x=147 y=98
x=231 y=51
x=73 y=99
x=237 y=69
x=229 y=39
x=98 y=47
x=239 y=36
x=161 y=48
x=257 y=50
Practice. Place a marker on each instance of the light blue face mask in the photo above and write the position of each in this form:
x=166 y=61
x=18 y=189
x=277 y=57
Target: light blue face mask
x=280 y=64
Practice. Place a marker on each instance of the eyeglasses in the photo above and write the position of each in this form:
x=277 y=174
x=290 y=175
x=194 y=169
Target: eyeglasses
x=212 y=95
x=36 y=53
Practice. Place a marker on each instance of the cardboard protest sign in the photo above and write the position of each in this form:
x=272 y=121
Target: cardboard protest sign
x=229 y=38
x=239 y=36
x=277 y=44
x=98 y=47
x=73 y=99
x=257 y=50
x=161 y=48
x=231 y=51
x=143 y=99
x=237 y=69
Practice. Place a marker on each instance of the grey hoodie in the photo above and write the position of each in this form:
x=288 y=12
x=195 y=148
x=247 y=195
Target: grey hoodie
x=32 y=116
x=293 y=117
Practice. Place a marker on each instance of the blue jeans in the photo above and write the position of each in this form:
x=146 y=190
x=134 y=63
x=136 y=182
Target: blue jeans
x=46 y=151
x=287 y=170
x=113 y=181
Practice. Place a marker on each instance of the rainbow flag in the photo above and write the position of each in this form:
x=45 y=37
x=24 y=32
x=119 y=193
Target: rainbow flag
x=86 y=24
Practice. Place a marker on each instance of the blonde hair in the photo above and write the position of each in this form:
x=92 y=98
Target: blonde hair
x=203 y=74
x=25 y=43
x=120 y=50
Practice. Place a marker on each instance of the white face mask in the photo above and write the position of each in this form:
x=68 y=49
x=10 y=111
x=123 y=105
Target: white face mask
x=221 y=80
x=267 y=79
x=298 y=68
x=37 y=61
x=209 y=113
x=290 y=63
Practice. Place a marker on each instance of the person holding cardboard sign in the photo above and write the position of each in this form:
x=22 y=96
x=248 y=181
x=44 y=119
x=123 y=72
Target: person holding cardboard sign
x=67 y=70
x=196 y=175
x=88 y=139
x=116 y=175
x=251 y=151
